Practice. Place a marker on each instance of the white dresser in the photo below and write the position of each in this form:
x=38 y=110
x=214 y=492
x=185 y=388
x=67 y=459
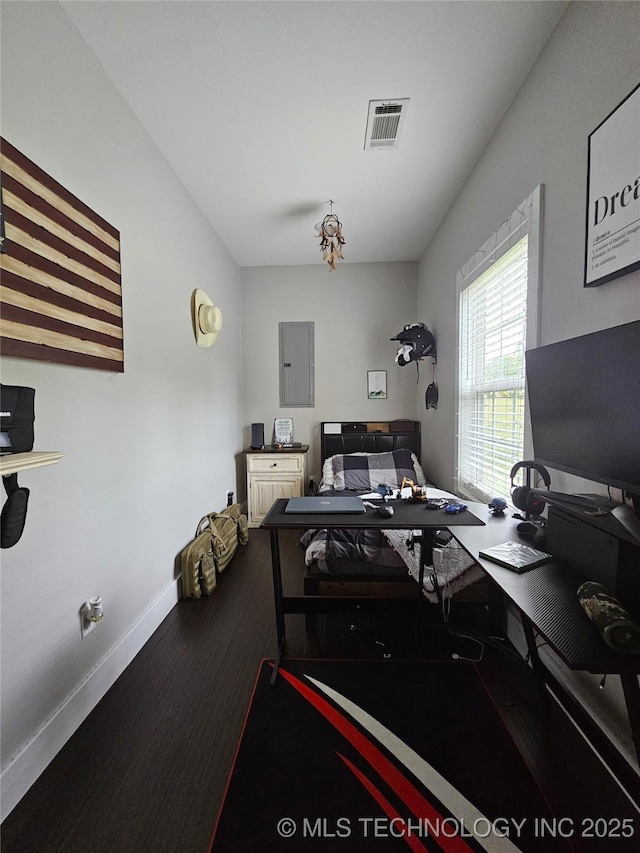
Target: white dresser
x=273 y=473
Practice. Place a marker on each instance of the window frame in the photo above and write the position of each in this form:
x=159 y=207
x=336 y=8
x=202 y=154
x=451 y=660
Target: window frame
x=498 y=243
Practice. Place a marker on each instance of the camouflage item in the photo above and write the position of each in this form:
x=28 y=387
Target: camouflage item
x=197 y=565
x=228 y=528
x=609 y=618
x=210 y=552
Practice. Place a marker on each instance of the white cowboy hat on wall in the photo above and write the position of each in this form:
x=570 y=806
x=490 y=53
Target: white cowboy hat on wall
x=207 y=319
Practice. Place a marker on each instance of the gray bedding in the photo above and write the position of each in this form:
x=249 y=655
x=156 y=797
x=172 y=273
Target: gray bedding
x=381 y=552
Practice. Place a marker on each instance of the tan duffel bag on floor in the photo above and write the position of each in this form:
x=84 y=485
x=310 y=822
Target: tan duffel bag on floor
x=215 y=543
x=228 y=528
x=198 y=565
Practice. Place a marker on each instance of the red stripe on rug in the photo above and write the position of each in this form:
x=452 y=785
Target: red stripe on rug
x=385 y=805
x=412 y=798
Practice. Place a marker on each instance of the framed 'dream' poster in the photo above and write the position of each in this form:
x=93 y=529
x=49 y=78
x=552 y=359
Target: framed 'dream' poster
x=613 y=195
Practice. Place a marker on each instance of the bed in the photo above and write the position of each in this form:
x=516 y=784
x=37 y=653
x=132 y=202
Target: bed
x=364 y=459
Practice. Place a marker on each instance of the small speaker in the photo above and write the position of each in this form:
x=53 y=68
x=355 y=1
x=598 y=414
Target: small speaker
x=257 y=435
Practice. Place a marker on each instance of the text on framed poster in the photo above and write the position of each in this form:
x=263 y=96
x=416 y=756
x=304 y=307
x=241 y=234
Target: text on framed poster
x=613 y=195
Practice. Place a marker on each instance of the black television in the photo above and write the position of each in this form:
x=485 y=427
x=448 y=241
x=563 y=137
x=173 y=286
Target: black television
x=584 y=402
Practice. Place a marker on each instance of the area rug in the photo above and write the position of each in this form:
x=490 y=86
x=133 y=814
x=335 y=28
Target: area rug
x=377 y=756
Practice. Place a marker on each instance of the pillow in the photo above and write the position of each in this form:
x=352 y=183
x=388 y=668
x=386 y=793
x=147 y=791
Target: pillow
x=366 y=471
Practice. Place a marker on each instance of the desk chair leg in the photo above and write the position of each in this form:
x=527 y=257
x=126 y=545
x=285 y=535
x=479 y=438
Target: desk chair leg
x=276 y=665
x=497 y=610
x=311 y=587
x=277 y=595
x=425 y=540
x=539 y=671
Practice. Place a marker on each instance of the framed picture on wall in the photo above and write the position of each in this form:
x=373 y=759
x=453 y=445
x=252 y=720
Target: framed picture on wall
x=377 y=384
x=612 y=246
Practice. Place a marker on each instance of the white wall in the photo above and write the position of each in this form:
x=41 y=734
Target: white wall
x=589 y=65
x=147 y=452
x=355 y=309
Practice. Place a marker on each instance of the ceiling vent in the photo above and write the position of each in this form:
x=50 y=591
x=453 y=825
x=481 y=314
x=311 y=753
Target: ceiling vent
x=384 y=123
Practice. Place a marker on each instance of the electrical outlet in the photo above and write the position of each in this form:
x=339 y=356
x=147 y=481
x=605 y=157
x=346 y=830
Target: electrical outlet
x=86 y=625
x=91 y=613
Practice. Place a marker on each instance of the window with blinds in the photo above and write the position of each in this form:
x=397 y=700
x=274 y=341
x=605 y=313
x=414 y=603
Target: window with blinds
x=495 y=299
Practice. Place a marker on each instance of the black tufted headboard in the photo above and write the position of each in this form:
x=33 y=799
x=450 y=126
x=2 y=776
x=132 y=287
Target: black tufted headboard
x=350 y=437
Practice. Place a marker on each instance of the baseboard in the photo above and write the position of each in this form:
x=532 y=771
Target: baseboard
x=30 y=763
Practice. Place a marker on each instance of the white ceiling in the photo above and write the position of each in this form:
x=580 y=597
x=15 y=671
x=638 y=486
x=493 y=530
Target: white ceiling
x=261 y=108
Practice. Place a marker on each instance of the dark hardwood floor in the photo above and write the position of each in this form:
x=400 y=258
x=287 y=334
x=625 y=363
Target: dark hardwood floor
x=147 y=770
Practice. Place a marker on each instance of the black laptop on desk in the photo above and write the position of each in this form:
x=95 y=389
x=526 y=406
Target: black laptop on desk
x=330 y=505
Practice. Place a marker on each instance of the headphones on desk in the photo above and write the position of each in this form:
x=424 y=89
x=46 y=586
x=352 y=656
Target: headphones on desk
x=521 y=496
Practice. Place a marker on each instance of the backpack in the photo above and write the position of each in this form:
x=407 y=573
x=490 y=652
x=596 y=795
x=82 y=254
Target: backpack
x=228 y=528
x=197 y=564
x=210 y=552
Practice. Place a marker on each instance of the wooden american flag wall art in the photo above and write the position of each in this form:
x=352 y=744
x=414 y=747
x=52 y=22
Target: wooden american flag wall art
x=61 y=295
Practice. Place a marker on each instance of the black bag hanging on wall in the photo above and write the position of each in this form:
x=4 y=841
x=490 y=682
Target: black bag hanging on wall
x=16 y=436
x=14 y=511
x=16 y=418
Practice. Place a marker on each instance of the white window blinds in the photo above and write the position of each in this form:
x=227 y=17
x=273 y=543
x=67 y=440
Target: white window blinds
x=494 y=294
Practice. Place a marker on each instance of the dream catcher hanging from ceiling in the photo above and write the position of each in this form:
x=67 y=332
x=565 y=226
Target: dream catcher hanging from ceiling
x=331 y=239
x=416 y=344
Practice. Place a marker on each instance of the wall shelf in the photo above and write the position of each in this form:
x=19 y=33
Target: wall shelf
x=12 y=463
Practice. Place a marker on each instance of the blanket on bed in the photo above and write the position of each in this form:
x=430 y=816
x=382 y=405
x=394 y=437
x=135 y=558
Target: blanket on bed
x=332 y=547
x=374 y=552
x=364 y=472
x=370 y=552
x=452 y=570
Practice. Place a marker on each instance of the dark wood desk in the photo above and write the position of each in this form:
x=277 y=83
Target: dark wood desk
x=544 y=597
x=407 y=516
x=547 y=598
x=548 y=605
